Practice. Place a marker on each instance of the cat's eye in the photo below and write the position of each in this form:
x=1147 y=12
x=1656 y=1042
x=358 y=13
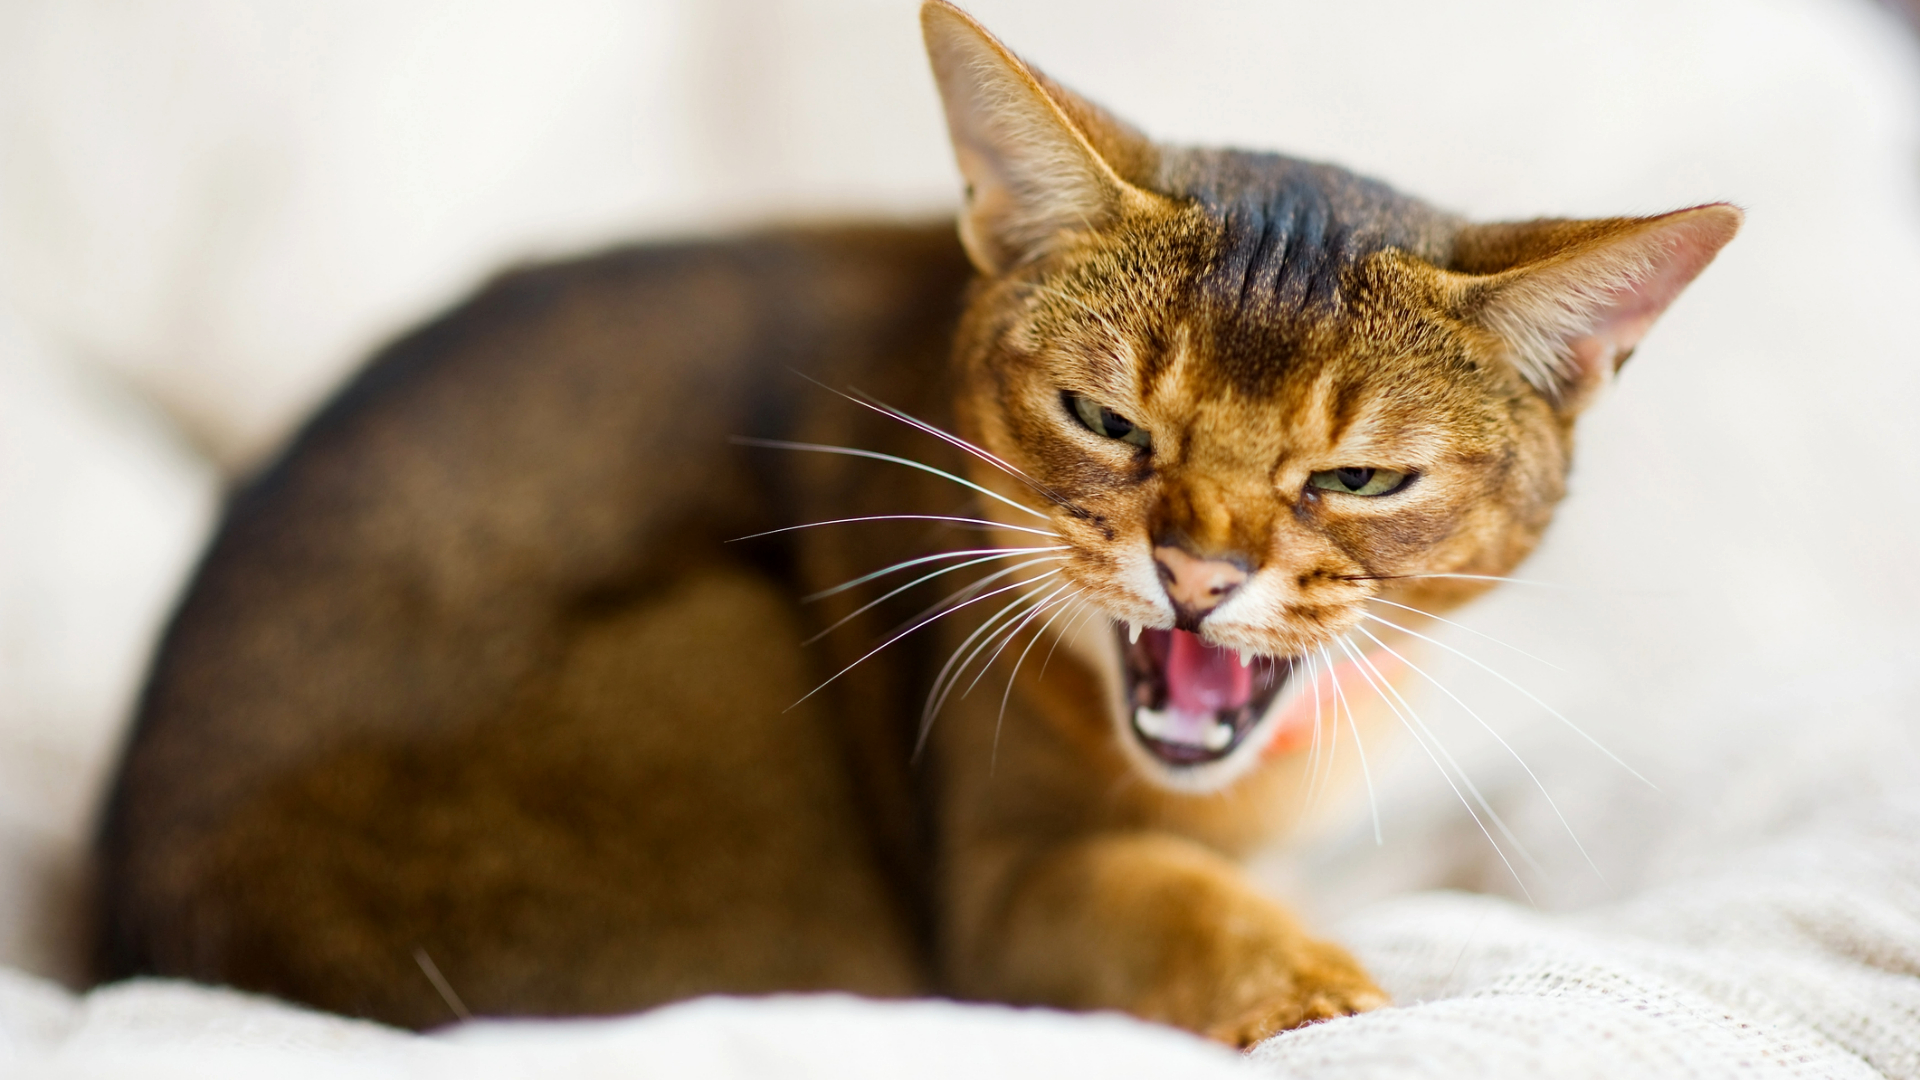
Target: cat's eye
x=1101 y=420
x=1360 y=481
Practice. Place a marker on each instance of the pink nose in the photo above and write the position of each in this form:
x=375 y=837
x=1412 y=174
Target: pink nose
x=1194 y=584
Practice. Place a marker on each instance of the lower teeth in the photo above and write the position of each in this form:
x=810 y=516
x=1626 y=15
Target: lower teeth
x=1156 y=724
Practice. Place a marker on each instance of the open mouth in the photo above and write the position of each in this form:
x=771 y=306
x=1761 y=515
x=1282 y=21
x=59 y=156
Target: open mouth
x=1192 y=702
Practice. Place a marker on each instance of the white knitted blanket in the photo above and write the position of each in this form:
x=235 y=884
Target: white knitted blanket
x=1800 y=959
x=206 y=210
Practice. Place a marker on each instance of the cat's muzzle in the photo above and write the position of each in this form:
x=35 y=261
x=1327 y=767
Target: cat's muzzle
x=1195 y=703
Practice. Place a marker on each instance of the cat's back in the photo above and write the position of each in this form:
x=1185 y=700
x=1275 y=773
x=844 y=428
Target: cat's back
x=414 y=559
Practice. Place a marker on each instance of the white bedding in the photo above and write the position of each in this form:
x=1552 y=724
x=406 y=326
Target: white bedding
x=206 y=211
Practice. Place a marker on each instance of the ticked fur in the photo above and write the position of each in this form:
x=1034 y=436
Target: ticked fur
x=473 y=671
x=1267 y=319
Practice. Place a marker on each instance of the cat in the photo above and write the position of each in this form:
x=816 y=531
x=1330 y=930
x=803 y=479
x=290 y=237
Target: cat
x=496 y=694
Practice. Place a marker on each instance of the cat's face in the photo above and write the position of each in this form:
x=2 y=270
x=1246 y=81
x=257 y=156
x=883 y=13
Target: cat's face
x=1260 y=404
x=1232 y=478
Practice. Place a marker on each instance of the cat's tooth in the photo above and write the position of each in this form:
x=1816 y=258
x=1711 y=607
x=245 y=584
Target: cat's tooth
x=1246 y=657
x=1219 y=736
x=1133 y=632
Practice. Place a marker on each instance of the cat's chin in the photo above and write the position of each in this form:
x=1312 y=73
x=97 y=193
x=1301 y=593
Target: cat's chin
x=1192 y=705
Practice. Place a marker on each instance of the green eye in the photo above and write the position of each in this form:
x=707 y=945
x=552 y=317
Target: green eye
x=1360 y=481
x=1101 y=420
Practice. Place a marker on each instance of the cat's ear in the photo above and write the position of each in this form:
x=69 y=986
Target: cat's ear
x=1038 y=161
x=1572 y=299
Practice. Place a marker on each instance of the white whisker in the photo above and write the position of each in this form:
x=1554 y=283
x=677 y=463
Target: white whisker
x=781 y=444
x=1472 y=788
x=943 y=684
x=1496 y=738
x=877 y=601
x=973 y=588
x=1313 y=746
x=1341 y=702
x=1555 y=713
x=991 y=553
x=1008 y=639
x=1466 y=577
x=936 y=694
x=1083 y=624
x=861 y=397
x=982 y=522
x=868 y=401
x=876 y=649
x=1384 y=689
x=1333 y=751
x=1470 y=630
x=993 y=758
x=1081 y=610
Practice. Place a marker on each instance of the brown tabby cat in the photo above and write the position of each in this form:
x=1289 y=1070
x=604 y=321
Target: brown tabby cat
x=472 y=702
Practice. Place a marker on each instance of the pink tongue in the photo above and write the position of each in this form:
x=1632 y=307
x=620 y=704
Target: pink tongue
x=1202 y=679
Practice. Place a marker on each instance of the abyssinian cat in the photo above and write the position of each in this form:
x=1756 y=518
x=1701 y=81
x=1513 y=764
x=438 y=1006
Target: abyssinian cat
x=496 y=691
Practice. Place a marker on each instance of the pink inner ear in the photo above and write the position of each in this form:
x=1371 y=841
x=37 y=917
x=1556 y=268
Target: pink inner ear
x=1601 y=351
x=1675 y=254
x=1620 y=325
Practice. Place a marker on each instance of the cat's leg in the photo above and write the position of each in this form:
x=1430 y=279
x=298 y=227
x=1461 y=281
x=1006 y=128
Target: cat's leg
x=1161 y=927
x=1070 y=879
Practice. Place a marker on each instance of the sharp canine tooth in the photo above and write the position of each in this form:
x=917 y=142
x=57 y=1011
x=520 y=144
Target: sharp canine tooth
x=1246 y=657
x=1133 y=633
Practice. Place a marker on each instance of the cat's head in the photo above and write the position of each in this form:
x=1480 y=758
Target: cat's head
x=1262 y=402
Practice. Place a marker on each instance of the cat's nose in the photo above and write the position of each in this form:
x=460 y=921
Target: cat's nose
x=1195 y=585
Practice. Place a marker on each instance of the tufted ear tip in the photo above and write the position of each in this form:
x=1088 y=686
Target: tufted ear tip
x=1718 y=222
x=1030 y=152
x=938 y=17
x=1582 y=295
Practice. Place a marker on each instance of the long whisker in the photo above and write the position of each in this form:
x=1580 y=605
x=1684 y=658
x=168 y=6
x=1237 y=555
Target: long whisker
x=1496 y=738
x=1313 y=747
x=972 y=589
x=1074 y=604
x=876 y=602
x=1472 y=788
x=781 y=444
x=1421 y=736
x=1333 y=751
x=1341 y=702
x=982 y=522
x=1002 y=634
x=993 y=758
x=956 y=666
x=861 y=397
x=1008 y=639
x=1555 y=713
x=1082 y=608
x=1470 y=630
x=991 y=626
x=943 y=684
x=865 y=400
x=876 y=649
x=1083 y=624
x=1460 y=577
x=996 y=553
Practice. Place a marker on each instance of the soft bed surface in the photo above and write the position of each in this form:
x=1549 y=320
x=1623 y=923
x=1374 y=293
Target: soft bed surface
x=202 y=224
x=1800 y=959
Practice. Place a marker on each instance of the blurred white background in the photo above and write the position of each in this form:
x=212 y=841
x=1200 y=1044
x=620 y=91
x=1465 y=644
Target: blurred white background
x=210 y=211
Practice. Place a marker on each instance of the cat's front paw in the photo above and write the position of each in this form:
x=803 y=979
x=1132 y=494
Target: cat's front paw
x=1325 y=982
